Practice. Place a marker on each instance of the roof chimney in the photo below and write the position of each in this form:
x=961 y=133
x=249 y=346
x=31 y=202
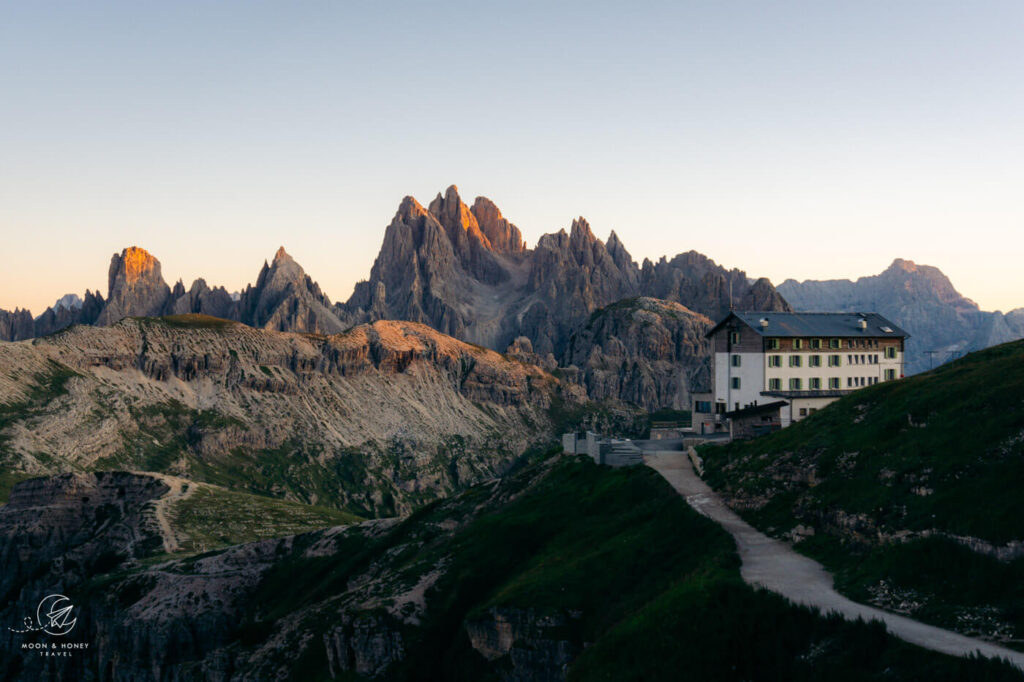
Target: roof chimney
x=863 y=324
x=764 y=322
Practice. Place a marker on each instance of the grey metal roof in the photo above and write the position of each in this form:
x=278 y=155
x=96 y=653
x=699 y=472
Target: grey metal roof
x=840 y=325
x=757 y=409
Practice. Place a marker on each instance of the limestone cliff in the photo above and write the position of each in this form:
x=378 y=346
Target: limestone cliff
x=645 y=351
x=369 y=420
x=136 y=287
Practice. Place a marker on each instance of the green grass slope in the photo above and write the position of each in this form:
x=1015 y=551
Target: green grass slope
x=212 y=517
x=898 y=481
x=615 y=567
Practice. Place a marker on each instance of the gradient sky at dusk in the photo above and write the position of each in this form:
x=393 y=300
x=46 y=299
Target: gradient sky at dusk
x=789 y=139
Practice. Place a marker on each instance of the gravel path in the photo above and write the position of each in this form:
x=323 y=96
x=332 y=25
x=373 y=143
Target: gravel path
x=179 y=490
x=774 y=565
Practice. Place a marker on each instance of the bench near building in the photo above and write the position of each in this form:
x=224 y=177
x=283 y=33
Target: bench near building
x=789 y=365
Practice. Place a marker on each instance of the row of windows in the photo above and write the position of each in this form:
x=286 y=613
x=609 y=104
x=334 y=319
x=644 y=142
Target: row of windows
x=815 y=360
x=798 y=361
x=815 y=383
x=815 y=344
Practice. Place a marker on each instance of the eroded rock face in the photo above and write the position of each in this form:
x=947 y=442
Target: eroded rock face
x=67 y=523
x=921 y=300
x=397 y=409
x=55 y=535
x=17 y=325
x=645 y=351
x=503 y=236
x=136 y=287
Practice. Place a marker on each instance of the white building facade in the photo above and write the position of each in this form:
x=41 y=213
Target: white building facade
x=806 y=360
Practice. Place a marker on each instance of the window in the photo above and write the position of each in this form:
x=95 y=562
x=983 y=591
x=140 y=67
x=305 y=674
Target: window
x=735 y=361
x=849 y=359
x=798 y=344
x=851 y=343
x=833 y=383
x=735 y=382
x=775 y=361
x=803 y=411
x=849 y=382
x=890 y=374
x=795 y=361
x=816 y=344
x=773 y=344
x=863 y=361
x=814 y=384
x=890 y=352
x=775 y=384
x=835 y=360
x=734 y=337
x=796 y=384
x=835 y=343
x=703 y=406
x=814 y=361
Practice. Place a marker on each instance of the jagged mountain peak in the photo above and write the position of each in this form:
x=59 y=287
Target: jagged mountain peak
x=903 y=264
x=503 y=236
x=68 y=302
x=282 y=255
x=580 y=230
x=456 y=218
x=927 y=279
x=409 y=208
x=133 y=264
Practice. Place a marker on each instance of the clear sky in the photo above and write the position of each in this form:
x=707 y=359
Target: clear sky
x=790 y=139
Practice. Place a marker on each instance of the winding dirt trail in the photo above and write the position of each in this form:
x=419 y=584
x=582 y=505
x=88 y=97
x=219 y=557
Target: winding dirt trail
x=179 y=490
x=775 y=566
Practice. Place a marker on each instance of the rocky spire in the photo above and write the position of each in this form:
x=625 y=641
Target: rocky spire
x=136 y=286
x=284 y=298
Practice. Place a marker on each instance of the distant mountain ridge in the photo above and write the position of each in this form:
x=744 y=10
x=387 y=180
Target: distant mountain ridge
x=435 y=266
x=466 y=271
x=943 y=323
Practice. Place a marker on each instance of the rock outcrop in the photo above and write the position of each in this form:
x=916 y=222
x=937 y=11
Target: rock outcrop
x=645 y=351
x=136 y=287
x=942 y=323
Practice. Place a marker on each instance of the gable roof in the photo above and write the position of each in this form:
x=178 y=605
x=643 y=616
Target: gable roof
x=814 y=324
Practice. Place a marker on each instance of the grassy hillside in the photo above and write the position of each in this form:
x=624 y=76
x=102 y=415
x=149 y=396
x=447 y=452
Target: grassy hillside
x=606 y=571
x=212 y=518
x=899 y=482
